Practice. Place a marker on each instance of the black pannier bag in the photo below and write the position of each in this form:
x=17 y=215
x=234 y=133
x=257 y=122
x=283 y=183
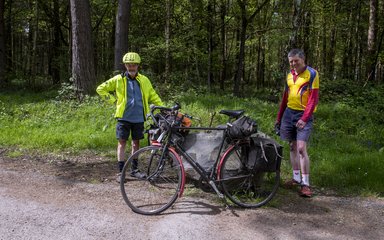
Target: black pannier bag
x=242 y=128
x=264 y=155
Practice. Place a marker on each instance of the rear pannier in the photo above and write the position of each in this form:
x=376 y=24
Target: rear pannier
x=264 y=155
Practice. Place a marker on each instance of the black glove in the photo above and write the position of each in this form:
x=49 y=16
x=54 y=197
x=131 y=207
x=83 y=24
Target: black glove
x=277 y=129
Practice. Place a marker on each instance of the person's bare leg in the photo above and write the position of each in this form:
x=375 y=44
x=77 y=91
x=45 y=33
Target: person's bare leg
x=120 y=156
x=121 y=150
x=135 y=146
x=304 y=161
x=295 y=161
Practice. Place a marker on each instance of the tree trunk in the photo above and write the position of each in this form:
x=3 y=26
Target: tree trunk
x=121 y=34
x=348 y=47
x=358 y=46
x=241 y=55
x=55 y=63
x=2 y=44
x=296 y=24
x=8 y=39
x=258 y=60
x=52 y=11
x=331 y=57
x=210 y=43
x=167 y=40
x=240 y=59
x=83 y=72
x=371 y=44
x=328 y=39
x=261 y=63
x=305 y=31
x=31 y=70
x=223 y=54
x=380 y=68
x=324 y=55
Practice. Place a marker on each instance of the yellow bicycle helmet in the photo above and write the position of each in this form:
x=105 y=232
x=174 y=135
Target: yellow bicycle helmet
x=132 y=57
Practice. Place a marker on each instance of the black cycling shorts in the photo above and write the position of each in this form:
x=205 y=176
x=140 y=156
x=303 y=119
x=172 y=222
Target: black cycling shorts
x=125 y=129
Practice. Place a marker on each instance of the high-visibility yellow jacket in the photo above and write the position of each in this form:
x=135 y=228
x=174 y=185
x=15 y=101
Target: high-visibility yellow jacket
x=118 y=86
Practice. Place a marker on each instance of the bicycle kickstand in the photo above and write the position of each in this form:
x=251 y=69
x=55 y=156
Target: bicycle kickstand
x=226 y=205
x=221 y=196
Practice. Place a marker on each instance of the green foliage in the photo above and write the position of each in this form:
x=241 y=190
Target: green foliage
x=325 y=29
x=346 y=149
x=51 y=125
x=355 y=95
x=66 y=92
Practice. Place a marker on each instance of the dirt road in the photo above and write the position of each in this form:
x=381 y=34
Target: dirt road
x=77 y=198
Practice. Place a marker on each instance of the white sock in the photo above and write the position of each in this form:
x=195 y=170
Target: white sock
x=306 y=179
x=296 y=175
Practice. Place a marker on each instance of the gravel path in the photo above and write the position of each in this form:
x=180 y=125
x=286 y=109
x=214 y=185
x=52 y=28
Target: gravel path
x=42 y=201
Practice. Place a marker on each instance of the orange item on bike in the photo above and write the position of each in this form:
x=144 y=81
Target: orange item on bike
x=185 y=121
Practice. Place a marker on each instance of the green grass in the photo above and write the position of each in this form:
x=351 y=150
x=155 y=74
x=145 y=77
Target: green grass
x=346 y=148
x=15 y=154
x=51 y=125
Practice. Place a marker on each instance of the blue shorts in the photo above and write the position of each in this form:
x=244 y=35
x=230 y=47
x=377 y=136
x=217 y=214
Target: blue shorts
x=124 y=129
x=288 y=129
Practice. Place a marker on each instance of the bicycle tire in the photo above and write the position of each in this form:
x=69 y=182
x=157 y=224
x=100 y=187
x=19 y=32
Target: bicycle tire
x=244 y=187
x=159 y=189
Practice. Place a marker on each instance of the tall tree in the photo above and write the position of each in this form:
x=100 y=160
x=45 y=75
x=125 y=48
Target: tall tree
x=121 y=33
x=332 y=42
x=296 y=24
x=83 y=70
x=223 y=44
x=33 y=34
x=358 y=44
x=53 y=13
x=244 y=23
x=211 y=7
x=352 y=32
x=196 y=25
x=2 y=43
x=167 y=33
x=372 y=36
x=55 y=66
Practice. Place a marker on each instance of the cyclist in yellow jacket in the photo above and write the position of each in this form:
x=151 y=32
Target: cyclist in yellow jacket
x=132 y=93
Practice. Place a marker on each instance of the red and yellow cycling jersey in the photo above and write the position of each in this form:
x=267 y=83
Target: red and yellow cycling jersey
x=301 y=93
x=299 y=88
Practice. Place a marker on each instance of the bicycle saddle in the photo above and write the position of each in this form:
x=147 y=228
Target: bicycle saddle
x=232 y=113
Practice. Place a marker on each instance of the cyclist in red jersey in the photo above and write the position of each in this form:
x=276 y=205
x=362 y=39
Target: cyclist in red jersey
x=295 y=117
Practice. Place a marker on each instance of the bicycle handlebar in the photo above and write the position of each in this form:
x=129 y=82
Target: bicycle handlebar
x=177 y=106
x=173 y=109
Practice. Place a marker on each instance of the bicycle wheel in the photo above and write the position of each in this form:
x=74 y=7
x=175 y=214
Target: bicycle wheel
x=246 y=188
x=159 y=189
